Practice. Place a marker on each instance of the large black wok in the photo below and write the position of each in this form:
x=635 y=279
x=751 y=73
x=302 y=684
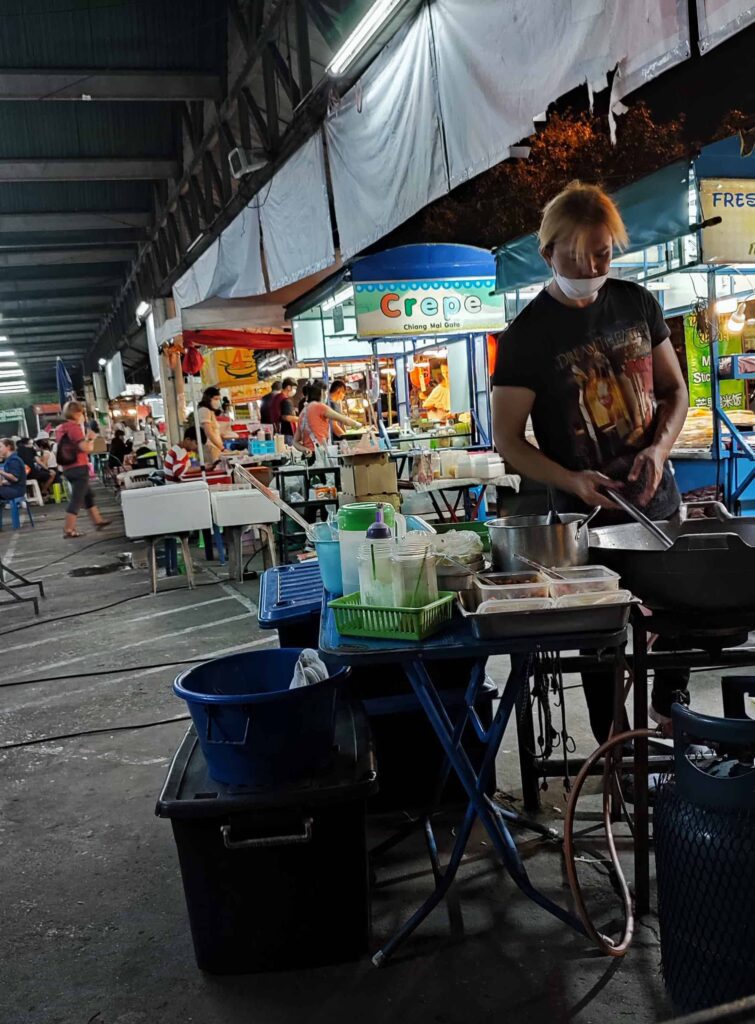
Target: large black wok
x=710 y=566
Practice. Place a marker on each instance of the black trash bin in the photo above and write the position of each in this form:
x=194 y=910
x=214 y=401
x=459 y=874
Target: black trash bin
x=704 y=828
x=275 y=878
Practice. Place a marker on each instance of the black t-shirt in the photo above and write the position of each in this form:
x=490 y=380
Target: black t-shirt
x=286 y=409
x=265 y=407
x=591 y=369
x=27 y=455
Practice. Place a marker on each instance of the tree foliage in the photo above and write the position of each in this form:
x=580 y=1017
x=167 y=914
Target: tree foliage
x=507 y=200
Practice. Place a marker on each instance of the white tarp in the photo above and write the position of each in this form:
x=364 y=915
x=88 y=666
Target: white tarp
x=385 y=141
x=500 y=64
x=238 y=271
x=719 y=19
x=230 y=268
x=295 y=216
x=196 y=283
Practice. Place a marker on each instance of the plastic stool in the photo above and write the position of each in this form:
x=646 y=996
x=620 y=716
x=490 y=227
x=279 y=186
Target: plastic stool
x=35 y=498
x=15 y=511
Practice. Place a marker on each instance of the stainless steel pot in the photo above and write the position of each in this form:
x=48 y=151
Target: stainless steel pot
x=563 y=543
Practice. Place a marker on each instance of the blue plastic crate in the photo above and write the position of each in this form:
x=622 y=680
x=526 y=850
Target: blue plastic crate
x=290 y=594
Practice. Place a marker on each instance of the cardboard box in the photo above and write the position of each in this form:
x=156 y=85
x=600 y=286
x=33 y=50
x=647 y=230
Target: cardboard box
x=375 y=476
x=386 y=499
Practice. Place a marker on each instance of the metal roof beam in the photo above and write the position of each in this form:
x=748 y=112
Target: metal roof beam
x=92 y=291
x=29 y=346
x=99 y=169
x=58 y=302
x=52 y=318
x=160 y=86
x=56 y=285
x=84 y=221
x=46 y=332
x=39 y=357
x=50 y=257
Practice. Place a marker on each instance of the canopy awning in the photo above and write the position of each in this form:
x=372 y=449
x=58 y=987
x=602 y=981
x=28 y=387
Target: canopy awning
x=655 y=210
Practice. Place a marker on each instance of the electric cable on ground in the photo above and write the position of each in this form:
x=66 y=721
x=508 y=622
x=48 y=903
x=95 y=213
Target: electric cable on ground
x=93 y=732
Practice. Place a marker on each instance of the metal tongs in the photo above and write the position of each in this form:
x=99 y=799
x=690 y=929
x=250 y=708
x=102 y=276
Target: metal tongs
x=639 y=517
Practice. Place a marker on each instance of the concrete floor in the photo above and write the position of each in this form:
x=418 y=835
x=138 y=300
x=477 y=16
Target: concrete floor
x=94 y=923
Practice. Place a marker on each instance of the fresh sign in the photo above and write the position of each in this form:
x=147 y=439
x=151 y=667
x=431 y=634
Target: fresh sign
x=733 y=200
x=415 y=308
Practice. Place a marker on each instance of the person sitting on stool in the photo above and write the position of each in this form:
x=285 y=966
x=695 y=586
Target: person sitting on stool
x=12 y=472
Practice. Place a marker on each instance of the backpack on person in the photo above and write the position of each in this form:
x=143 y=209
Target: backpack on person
x=67 y=452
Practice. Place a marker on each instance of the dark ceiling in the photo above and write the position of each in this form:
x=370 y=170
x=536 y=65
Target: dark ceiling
x=116 y=119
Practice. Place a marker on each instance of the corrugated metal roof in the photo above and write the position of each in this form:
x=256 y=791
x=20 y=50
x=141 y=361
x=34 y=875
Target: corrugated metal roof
x=54 y=196
x=170 y=34
x=81 y=130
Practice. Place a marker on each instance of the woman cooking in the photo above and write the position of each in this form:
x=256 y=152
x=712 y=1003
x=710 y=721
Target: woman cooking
x=591 y=361
x=208 y=409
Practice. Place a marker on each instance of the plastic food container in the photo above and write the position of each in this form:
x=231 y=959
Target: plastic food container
x=580 y=579
x=595 y=597
x=527 y=604
x=510 y=586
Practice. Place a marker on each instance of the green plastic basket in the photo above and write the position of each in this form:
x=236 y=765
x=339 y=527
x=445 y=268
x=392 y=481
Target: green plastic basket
x=355 y=619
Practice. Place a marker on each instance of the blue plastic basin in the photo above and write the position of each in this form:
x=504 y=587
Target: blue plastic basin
x=253 y=729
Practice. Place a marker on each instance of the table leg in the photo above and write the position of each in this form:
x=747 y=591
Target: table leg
x=233 y=536
x=436 y=506
x=479 y=805
x=618 y=725
x=189 y=565
x=525 y=732
x=640 y=707
x=152 y=559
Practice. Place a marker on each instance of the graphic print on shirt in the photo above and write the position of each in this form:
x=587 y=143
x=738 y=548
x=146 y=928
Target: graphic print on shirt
x=609 y=393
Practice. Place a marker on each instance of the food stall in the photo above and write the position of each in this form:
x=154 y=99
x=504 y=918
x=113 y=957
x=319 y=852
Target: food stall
x=417 y=318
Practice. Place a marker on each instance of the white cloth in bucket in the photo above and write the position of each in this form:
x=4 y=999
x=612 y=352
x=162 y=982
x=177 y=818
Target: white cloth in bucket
x=310 y=668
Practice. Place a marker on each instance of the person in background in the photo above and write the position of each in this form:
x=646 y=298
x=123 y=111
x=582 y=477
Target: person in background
x=177 y=462
x=215 y=432
x=266 y=402
x=47 y=456
x=314 y=422
x=282 y=410
x=92 y=423
x=72 y=454
x=438 y=402
x=35 y=468
x=336 y=398
x=590 y=358
x=12 y=471
x=119 y=449
x=226 y=411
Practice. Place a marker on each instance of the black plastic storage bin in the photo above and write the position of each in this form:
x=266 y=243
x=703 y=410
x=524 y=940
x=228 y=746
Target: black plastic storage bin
x=275 y=879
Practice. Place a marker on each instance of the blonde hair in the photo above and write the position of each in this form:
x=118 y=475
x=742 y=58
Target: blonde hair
x=574 y=211
x=71 y=410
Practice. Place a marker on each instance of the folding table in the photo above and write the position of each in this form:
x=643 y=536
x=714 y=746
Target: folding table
x=458 y=641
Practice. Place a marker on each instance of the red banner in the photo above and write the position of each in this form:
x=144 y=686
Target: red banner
x=238 y=339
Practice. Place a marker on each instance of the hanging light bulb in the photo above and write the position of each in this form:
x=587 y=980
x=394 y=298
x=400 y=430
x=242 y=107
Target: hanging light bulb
x=736 y=321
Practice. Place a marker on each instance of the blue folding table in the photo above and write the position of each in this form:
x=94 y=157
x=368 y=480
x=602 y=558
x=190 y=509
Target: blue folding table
x=458 y=641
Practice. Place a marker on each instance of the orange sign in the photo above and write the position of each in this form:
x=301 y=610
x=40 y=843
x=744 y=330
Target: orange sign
x=249 y=392
x=235 y=366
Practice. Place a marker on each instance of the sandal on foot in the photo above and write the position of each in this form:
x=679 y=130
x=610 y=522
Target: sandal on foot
x=101 y=525
x=72 y=533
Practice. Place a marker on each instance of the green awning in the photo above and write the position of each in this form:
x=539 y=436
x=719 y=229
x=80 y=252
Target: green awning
x=655 y=210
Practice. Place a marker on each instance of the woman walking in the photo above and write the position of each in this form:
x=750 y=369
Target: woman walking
x=72 y=457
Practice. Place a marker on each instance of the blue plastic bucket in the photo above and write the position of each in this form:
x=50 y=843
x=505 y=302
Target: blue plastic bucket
x=253 y=729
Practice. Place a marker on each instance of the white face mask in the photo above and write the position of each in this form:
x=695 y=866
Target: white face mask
x=579 y=287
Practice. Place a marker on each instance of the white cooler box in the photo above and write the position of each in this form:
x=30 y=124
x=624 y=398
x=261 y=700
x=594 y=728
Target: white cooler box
x=242 y=506
x=174 y=508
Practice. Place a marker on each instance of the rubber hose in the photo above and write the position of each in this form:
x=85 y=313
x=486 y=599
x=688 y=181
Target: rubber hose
x=604 y=942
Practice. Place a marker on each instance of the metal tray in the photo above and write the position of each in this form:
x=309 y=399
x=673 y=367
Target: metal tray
x=549 y=622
